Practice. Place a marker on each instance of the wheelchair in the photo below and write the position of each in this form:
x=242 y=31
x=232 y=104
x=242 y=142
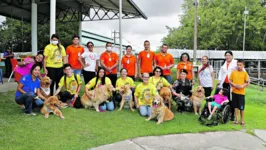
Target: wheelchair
x=221 y=115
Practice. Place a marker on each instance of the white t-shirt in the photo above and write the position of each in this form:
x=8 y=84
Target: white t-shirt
x=90 y=59
x=206 y=76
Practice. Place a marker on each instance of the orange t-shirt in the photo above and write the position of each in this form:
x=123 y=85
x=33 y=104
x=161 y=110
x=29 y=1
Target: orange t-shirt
x=129 y=63
x=146 y=59
x=188 y=66
x=73 y=55
x=164 y=61
x=226 y=78
x=109 y=59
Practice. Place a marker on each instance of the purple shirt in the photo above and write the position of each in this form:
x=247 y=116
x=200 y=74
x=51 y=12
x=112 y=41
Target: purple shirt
x=219 y=98
x=23 y=70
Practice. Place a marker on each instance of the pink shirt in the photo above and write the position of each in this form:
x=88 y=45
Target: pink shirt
x=219 y=98
x=23 y=70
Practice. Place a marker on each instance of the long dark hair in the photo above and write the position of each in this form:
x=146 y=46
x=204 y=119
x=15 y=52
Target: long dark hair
x=33 y=67
x=97 y=78
x=39 y=63
x=159 y=69
x=188 y=58
x=58 y=44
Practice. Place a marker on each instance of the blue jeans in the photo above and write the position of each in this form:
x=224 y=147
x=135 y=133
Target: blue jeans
x=27 y=100
x=145 y=110
x=76 y=71
x=168 y=78
x=107 y=106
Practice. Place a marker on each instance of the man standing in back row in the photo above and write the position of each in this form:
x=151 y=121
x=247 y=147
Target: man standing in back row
x=146 y=60
x=109 y=60
x=73 y=53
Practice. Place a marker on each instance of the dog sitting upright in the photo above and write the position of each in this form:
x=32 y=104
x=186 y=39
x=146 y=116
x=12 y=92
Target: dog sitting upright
x=196 y=98
x=127 y=97
x=165 y=93
x=159 y=110
x=51 y=104
x=45 y=87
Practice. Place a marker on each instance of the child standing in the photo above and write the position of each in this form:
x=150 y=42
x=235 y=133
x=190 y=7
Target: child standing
x=239 y=80
x=219 y=100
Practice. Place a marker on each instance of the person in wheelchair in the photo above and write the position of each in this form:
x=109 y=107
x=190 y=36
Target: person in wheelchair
x=219 y=100
x=182 y=91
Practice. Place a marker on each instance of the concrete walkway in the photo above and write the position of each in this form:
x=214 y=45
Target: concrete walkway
x=233 y=140
x=8 y=86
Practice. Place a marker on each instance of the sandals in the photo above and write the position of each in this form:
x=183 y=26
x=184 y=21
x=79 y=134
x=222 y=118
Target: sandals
x=243 y=124
x=236 y=122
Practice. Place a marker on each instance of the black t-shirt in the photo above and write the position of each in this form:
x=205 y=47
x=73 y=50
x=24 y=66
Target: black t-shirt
x=184 y=86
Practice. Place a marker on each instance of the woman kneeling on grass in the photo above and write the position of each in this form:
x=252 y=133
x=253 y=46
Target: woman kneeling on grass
x=144 y=94
x=28 y=91
x=98 y=81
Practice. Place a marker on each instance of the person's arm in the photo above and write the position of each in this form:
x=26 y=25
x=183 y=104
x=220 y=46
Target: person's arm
x=97 y=65
x=193 y=75
x=136 y=69
x=137 y=101
x=64 y=58
x=87 y=91
x=81 y=60
x=220 y=76
x=44 y=64
x=19 y=88
x=115 y=65
x=213 y=80
x=139 y=70
x=103 y=65
x=40 y=95
x=58 y=90
x=226 y=101
x=77 y=92
x=177 y=73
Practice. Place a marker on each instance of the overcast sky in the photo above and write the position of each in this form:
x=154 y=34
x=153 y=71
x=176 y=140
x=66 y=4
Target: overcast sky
x=159 y=12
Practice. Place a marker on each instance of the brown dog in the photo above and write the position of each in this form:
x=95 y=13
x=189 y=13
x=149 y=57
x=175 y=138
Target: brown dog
x=160 y=111
x=166 y=94
x=127 y=97
x=97 y=96
x=51 y=105
x=45 y=86
x=196 y=98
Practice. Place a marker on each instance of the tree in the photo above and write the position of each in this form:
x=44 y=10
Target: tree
x=220 y=25
x=16 y=34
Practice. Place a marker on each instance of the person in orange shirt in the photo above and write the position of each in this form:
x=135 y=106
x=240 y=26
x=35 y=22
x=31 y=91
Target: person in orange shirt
x=187 y=65
x=146 y=59
x=129 y=62
x=73 y=53
x=165 y=61
x=109 y=60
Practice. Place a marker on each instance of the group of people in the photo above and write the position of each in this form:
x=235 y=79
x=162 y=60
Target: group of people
x=65 y=66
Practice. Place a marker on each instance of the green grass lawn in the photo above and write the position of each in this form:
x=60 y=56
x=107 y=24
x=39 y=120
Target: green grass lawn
x=85 y=128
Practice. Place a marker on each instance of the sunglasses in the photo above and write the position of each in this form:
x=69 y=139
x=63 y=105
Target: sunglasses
x=158 y=71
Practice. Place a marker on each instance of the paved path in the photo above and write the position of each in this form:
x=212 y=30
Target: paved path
x=8 y=86
x=233 y=140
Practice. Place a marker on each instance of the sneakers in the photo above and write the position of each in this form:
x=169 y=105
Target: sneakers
x=30 y=114
x=210 y=117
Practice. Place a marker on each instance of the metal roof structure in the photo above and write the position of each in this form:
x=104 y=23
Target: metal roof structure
x=71 y=10
x=212 y=54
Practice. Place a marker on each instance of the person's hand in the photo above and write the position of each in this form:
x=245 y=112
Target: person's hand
x=45 y=71
x=175 y=94
x=238 y=86
x=136 y=76
x=140 y=76
x=192 y=82
x=87 y=65
x=76 y=95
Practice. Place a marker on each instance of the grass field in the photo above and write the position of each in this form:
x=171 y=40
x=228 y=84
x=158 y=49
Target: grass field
x=85 y=128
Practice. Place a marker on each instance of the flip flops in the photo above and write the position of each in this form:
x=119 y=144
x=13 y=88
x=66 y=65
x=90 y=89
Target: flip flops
x=243 y=124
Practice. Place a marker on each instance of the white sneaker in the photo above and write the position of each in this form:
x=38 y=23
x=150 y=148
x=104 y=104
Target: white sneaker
x=30 y=114
x=210 y=117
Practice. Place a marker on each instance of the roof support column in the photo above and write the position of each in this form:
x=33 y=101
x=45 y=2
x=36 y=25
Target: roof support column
x=34 y=23
x=52 y=16
x=80 y=25
x=120 y=32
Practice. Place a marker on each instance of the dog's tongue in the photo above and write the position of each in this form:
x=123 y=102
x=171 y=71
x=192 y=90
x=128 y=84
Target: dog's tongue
x=155 y=106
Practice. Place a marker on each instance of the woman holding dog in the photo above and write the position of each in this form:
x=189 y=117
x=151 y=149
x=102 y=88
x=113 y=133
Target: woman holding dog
x=187 y=65
x=28 y=91
x=25 y=66
x=123 y=80
x=54 y=58
x=144 y=94
x=206 y=76
x=98 y=81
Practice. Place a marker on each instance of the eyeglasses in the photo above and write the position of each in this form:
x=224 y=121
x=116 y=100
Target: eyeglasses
x=158 y=71
x=145 y=77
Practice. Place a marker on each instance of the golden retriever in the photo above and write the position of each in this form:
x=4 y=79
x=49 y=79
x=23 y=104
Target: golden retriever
x=127 y=97
x=196 y=98
x=166 y=94
x=97 y=96
x=51 y=104
x=159 y=110
x=45 y=86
